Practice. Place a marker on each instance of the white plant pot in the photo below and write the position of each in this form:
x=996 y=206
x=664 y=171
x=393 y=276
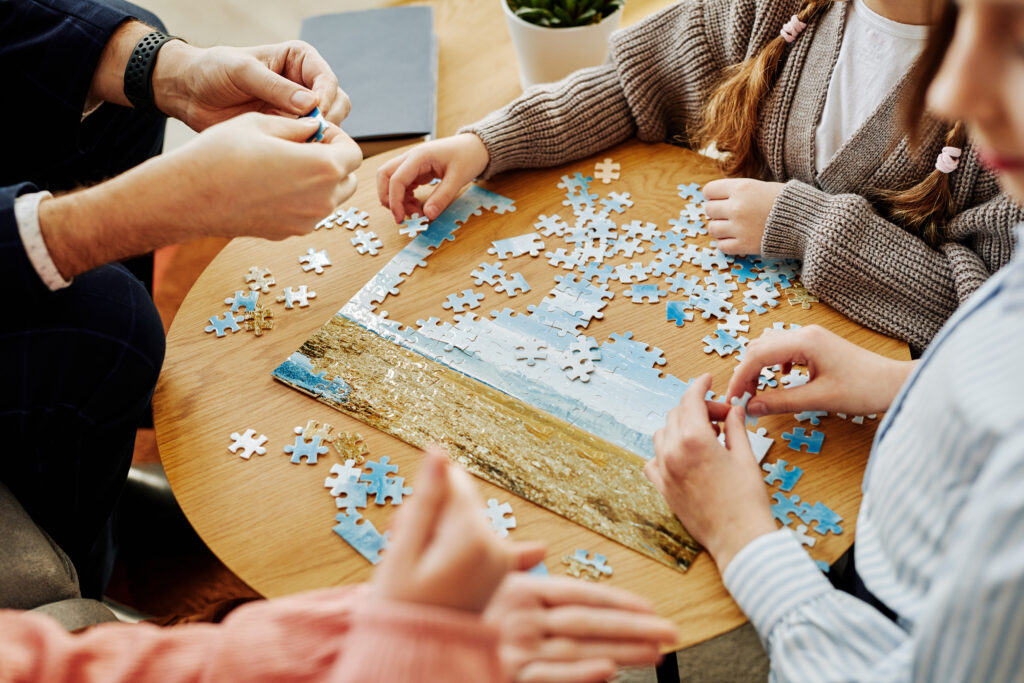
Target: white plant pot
x=550 y=54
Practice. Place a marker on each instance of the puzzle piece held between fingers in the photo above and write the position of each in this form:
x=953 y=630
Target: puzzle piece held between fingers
x=497 y=516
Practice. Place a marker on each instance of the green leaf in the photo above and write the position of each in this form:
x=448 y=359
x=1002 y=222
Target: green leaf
x=535 y=15
x=589 y=17
x=562 y=15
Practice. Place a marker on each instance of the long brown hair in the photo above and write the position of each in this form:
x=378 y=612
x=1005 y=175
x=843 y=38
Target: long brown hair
x=925 y=208
x=731 y=119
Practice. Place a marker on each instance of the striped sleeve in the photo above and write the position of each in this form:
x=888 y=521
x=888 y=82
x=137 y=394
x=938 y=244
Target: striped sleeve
x=973 y=624
x=811 y=630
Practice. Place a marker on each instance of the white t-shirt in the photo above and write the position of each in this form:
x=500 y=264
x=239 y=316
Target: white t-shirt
x=875 y=54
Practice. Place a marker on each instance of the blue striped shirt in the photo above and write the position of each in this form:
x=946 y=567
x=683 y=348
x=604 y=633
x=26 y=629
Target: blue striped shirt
x=940 y=535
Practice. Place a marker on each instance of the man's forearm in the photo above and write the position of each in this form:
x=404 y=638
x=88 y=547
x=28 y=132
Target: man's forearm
x=129 y=215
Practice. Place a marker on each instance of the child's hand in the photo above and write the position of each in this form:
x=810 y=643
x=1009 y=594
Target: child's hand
x=456 y=161
x=700 y=478
x=560 y=629
x=844 y=377
x=445 y=553
x=737 y=209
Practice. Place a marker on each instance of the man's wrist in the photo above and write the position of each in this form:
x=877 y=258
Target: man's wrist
x=108 y=79
x=170 y=77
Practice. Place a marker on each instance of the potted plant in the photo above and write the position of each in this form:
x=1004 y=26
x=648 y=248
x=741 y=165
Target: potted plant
x=553 y=38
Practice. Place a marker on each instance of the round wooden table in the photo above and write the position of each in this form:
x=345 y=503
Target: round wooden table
x=271 y=521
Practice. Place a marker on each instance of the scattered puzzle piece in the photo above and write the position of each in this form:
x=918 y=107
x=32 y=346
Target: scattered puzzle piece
x=314 y=260
x=497 y=515
x=224 y=324
x=309 y=450
x=258 y=320
x=803 y=298
x=363 y=537
x=581 y=565
x=366 y=242
x=826 y=520
x=248 y=443
x=488 y=272
x=784 y=506
x=691 y=191
x=298 y=296
x=391 y=488
x=243 y=301
x=798 y=438
x=459 y=302
x=777 y=472
x=350 y=446
x=649 y=293
x=512 y=285
x=806 y=539
x=343 y=475
x=551 y=226
x=813 y=415
x=579 y=363
x=530 y=243
x=378 y=472
x=260 y=279
x=606 y=171
x=677 y=312
x=721 y=342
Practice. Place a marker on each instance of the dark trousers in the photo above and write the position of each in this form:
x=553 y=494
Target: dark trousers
x=78 y=366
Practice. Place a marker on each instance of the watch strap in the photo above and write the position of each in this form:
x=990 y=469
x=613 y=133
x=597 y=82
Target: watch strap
x=138 y=75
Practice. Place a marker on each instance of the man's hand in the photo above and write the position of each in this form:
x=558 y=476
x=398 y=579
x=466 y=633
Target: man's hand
x=716 y=491
x=844 y=377
x=737 y=209
x=204 y=86
x=559 y=629
x=445 y=553
x=252 y=175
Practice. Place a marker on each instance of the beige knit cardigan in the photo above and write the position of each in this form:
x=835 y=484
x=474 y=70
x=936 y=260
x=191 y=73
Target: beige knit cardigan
x=868 y=268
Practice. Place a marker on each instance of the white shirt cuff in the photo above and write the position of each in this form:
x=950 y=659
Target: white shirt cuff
x=26 y=213
x=770 y=576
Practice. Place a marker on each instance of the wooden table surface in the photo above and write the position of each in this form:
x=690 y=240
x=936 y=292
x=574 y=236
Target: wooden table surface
x=270 y=521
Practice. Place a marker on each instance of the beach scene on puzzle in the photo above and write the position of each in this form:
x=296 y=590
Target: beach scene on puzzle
x=487 y=351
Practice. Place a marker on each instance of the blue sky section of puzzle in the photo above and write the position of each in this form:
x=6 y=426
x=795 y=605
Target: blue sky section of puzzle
x=625 y=401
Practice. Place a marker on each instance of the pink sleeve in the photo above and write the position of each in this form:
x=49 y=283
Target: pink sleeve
x=311 y=636
x=402 y=642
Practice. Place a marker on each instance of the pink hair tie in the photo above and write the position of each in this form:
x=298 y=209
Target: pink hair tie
x=948 y=160
x=792 y=29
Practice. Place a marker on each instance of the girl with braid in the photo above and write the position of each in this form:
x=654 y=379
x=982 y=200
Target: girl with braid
x=802 y=100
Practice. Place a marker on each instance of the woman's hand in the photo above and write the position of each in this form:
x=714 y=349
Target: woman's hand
x=844 y=377
x=737 y=209
x=716 y=491
x=457 y=161
x=445 y=553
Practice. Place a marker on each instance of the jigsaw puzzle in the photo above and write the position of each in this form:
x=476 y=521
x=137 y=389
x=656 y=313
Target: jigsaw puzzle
x=500 y=516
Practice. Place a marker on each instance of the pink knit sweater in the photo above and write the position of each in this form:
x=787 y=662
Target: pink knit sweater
x=332 y=634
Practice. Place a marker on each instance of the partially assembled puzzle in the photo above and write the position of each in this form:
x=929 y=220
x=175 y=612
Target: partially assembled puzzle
x=528 y=400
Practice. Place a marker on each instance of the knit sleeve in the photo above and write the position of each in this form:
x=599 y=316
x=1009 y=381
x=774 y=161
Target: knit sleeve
x=878 y=274
x=654 y=85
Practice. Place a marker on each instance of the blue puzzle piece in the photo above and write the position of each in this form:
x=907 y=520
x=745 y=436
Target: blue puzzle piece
x=813 y=415
x=392 y=487
x=823 y=566
x=798 y=438
x=577 y=182
x=676 y=311
x=825 y=518
x=599 y=562
x=363 y=536
x=322 y=125
x=649 y=293
x=784 y=506
x=378 y=473
x=777 y=472
x=601 y=272
x=743 y=270
x=244 y=301
x=667 y=241
x=222 y=325
x=691 y=191
x=305 y=449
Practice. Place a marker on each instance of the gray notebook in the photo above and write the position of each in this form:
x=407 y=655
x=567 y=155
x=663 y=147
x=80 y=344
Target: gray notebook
x=386 y=61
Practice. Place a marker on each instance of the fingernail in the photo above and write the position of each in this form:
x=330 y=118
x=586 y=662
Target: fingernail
x=303 y=100
x=756 y=409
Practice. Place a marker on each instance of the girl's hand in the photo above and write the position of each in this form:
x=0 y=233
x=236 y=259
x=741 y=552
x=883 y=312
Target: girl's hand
x=445 y=553
x=737 y=209
x=456 y=161
x=844 y=377
x=716 y=491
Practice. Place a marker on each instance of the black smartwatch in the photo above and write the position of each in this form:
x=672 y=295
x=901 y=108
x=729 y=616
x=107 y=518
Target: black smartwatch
x=138 y=75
